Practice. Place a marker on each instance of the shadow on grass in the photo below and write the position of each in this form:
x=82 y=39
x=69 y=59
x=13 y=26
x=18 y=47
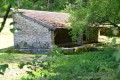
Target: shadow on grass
x=12 y=50
x=4 y=50
x=10 y=55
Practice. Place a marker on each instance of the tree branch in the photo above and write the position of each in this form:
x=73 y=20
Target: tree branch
x=5 y=18
x=115 y=25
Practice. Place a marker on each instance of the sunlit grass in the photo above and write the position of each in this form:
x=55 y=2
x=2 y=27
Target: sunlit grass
x=106 y=39
x=6 y=37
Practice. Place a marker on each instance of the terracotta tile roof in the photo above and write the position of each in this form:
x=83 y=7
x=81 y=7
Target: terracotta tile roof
x=57 y=19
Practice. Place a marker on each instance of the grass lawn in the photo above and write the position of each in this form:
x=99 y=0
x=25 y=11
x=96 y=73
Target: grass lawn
x=8 y=55
x=15 y=57
x=13 y=72
x=98 y=65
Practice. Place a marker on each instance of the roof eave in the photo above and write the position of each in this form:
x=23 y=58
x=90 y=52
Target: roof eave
x=47 y=25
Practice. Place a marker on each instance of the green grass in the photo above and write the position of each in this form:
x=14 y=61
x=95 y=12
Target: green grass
x=98 y=64
x=8 y=55
x=14 y=57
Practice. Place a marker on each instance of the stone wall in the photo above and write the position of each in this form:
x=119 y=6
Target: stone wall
x=30 y=34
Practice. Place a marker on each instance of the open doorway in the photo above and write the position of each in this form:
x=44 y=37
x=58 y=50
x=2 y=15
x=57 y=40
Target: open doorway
x=62 y=37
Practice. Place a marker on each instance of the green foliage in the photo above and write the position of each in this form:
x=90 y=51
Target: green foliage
x=3 y=68
x=116 y=56
x=34 y=65
x=80 y=65
x=56 y=51
x=4 y=5
x=44 y=66
x=13 y=30
x=6 y=10
x=87 y=13
x=21 y=65
x=49 y=5
x=90 y=65
x=111 y=32
x=12 y=23
x=80 y=50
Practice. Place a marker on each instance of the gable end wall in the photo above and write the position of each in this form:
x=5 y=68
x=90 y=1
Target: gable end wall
x=31 y=34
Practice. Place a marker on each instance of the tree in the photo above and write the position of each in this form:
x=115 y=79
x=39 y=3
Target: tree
x=86 y=13
x=6 y=4
x=49 y=5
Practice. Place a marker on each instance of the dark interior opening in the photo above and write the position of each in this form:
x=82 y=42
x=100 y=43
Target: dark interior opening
x=62 y=36
x=84 y=37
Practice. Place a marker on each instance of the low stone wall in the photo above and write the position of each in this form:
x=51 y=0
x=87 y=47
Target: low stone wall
x=33 y=50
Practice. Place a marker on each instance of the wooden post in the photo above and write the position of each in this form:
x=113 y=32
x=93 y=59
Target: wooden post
x=52 y=38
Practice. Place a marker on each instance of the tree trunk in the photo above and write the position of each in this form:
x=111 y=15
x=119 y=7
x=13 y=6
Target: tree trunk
x=5 y=18
x=80 y=39
x=48 y=4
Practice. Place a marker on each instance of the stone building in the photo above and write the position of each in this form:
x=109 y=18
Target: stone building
x=41 y=29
